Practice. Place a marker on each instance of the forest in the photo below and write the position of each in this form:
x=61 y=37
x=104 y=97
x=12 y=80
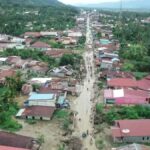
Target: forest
x=16 y=19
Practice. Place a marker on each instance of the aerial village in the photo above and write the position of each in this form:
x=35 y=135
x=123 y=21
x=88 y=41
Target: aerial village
x=50 y=90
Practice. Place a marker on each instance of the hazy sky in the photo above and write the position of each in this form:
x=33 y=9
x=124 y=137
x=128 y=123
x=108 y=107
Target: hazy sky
x=86 y=1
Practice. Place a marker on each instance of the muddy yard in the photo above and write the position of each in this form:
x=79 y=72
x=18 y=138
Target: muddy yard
x=50 y=130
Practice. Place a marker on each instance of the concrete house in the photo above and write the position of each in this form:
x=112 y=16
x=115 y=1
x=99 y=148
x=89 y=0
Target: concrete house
x=126 y=97
x=131 y=131
x=36 y=112
x=36 y=99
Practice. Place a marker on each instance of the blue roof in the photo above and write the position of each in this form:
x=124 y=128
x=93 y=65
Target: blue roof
x=105 y=41
x=61 y=100
x=36 y=96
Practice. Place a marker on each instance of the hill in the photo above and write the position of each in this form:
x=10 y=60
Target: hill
x=128 y=4
x=31 y=2
x=35 y=15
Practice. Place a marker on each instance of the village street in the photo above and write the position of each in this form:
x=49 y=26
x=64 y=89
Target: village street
x=84 y=104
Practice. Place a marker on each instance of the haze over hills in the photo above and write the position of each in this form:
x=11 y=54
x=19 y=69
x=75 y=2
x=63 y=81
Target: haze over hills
x=126 y=4
x=31 y=2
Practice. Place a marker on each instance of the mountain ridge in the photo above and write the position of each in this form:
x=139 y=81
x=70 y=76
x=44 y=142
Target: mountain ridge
x=31 y=2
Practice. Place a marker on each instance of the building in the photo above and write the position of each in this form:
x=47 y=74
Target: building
x=133 y=146
x=32 y=34
x=41 y=46
x=41 y=81
x=36 y=112
x=117 y=83
x=131 y=131
x=36 y=99
x=126 y=97
x=75 y=34
x=17 y=141
x=106 y=64
x=11 y=148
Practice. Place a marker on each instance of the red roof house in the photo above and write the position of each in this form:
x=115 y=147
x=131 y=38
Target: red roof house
x=122 y=83
x=41 y=45
x=131 y=131
x=10 y=148
x=126 y=97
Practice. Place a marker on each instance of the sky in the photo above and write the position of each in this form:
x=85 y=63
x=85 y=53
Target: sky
x=73 y=2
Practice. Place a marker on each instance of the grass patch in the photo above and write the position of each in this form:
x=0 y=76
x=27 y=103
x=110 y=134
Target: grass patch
x=61 y=114
x=140 y=75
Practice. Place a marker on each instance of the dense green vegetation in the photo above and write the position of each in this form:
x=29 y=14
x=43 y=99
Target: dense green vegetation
x=8 y=106
x=119 y=113
x=135 y=42
x=70 y=59
x=64 y=116
x=16 y=19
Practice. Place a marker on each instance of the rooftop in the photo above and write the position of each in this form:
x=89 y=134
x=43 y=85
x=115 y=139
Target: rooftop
x=122 y=82
x=15 y=140
x=131 y=128
x=36 y=96
x=11 y=148
x=36 y=111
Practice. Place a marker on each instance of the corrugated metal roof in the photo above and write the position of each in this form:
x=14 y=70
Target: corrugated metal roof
x=36 y=96
x=61 y=100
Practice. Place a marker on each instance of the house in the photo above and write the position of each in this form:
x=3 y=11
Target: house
x=39 y=69
x=126 y=97
x=36 y=112
x=106 y=64
x=68 y=41
x=74 y=34
x=144 y=84
x=117 y=83
x=47 y=33
x=61 y=85
x=13 y=59
x=133 y=146
x=3 y=60
x=131 y=131
x=6 y=73
x=108 y=74
x=41 y=46
x=18 y=141
x=37 y=99
x=41 y=81
x=11 y=148
x=32 y=35
x=62 y=71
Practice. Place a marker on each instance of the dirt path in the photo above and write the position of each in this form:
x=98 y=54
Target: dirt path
x=84 y=104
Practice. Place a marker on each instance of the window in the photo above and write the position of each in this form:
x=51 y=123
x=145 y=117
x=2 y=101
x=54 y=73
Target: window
x=147 y=138
x=143 y=138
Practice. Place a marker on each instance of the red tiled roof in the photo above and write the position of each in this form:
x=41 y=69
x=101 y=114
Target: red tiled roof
x=136 y=128
x=7 y=73
x=39 y=111
x=11 y=148
x=144 y=84
x=40 y=44
x=122 y=82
